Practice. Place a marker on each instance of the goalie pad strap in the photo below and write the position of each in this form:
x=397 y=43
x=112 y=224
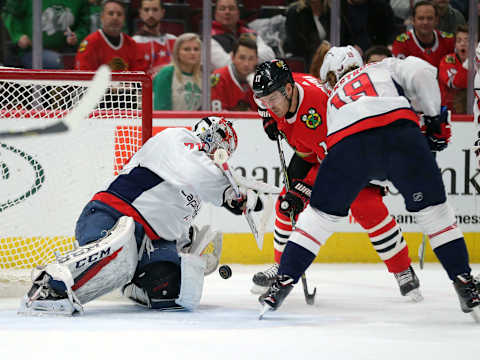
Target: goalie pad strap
x=191 y=288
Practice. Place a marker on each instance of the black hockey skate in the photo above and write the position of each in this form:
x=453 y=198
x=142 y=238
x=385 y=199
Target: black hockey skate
x=409 y=284
x=262 y=280
x=467 y=292
x=276 y=294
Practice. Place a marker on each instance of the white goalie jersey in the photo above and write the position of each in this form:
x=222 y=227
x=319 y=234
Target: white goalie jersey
x=164 y=183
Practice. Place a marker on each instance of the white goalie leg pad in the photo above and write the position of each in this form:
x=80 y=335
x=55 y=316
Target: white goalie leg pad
x=313 y=229
x=103 y=265
x=192 y=269
x=439 y=223
x=207 y=243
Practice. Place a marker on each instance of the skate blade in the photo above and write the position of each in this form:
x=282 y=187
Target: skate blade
x=266 y=308
x=258 y=290
x=415 y=295
x=476 y=314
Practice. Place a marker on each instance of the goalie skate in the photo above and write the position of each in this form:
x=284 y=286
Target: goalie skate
x=409 y=284
x=262 y=280
x=43 y=299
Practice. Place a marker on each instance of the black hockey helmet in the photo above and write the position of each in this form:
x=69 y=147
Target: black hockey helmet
x=271 y=76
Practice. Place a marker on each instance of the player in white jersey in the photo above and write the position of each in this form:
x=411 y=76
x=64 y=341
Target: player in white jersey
x=137 y=233
x=373 y=134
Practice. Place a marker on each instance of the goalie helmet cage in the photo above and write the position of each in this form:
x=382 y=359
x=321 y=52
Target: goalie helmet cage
x=47 y=178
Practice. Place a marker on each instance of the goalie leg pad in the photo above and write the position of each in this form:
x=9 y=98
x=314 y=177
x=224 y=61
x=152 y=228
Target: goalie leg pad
x=439 y=223
x=156 y=286
x=103 y=265
x=192 y=268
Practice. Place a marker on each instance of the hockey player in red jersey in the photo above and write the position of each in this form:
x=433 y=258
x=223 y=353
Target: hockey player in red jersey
x=373 y=133
x=297 y=108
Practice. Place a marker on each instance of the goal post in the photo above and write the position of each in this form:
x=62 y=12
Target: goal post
x=46 y=179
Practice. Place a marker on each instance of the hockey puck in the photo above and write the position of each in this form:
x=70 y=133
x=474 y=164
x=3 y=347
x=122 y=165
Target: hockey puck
x=225 y=271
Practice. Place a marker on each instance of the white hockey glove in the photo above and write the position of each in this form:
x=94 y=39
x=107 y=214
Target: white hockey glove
x=248 y=201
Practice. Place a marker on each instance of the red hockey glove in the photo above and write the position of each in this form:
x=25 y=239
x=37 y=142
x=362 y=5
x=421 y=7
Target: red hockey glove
x=269 y=124
x=438 y=130
x=296 y=199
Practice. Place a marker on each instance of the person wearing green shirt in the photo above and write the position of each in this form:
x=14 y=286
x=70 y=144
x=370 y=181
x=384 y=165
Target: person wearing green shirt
x=64 y=25
x=178 y=86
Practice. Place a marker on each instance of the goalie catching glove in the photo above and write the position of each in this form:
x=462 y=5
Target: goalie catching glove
x=438 y=130
x=296 y=199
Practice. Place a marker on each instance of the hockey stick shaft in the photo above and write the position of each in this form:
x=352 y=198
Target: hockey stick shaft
x=309 y=298
x=228 y=174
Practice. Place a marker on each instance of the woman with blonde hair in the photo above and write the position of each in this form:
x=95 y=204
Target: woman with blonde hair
x=318 y=57
x=178 y=86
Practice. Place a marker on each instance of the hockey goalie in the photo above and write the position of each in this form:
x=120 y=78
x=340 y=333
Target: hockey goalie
x=137 y=234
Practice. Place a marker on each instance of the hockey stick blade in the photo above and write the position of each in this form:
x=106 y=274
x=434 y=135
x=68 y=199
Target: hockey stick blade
x=421 y=251
x=309 y=298
x=55 y=128
x=96 y=90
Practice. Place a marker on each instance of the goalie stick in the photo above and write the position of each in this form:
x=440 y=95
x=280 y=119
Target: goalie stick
x=309 y=297
x=220 y=158
x=83 y=108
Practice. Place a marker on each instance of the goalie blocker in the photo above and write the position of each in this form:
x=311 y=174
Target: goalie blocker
x=172 y=281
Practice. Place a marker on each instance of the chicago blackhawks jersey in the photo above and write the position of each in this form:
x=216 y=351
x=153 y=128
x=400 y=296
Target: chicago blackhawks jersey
x=96 y=50
x=452 y=77
x=407 y=44
x=378 y=94
x=305 y=131
x=164 y=183
x=228 y=93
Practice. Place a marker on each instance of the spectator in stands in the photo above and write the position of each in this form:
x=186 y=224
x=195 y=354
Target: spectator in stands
x=110 y=45
x=64 y=25
x=461 y=5
x=307 y=24
x=453 y=74
x=424 y=41
x=179 y=86
x=366 y=23
x=95 y=11
x=226 y=28
x=317 y=59
x=156 y=45
x=376 y=53
x=230 y=88
x=448 y=17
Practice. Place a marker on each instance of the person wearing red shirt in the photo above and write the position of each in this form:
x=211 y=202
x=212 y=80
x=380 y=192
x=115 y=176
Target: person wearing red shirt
x=453 y=74
x=109 y=45
x=155 y=45
x=424 y=41
x=230 y=88
x=302 y=121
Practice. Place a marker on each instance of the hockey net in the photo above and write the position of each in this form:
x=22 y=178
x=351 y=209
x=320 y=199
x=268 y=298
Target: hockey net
x=47 y=178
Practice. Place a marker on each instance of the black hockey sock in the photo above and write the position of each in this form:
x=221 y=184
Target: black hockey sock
x=454 y=257
x=295 y=260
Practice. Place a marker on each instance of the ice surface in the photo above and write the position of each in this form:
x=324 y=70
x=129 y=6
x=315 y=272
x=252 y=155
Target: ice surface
x=359 y=314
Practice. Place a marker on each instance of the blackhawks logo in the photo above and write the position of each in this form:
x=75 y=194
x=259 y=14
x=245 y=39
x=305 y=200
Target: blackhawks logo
x=118 y=64
x=312 y=119
x=214 y=79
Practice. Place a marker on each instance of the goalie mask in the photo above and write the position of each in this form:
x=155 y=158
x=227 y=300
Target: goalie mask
x=216 y=133
x=339 y=60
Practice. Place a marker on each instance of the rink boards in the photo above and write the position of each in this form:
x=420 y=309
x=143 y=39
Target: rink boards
x=75 y=166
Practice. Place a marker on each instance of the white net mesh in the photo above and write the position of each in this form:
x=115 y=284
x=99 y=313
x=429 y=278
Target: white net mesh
x=46 y=179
